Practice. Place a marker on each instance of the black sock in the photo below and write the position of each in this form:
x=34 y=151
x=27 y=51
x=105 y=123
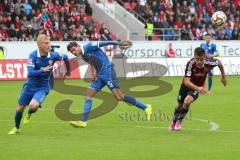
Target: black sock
x=31 y=111
x=182 y=114
x=176 y=114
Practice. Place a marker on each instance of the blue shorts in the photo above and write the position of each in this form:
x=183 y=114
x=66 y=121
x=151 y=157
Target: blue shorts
x=27 y=95
x=107 y=77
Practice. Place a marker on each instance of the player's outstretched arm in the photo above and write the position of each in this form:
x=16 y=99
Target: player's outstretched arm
x=213 y=55
x=189 y=84
x=122 y=45
x=64 y=57
x=216 y=55
x=125 y=44
x=223 y=79
x=106 y=43
x=67 y=64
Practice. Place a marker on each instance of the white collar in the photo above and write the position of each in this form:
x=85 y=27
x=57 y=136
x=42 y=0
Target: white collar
x=82 y=50
x=209 y=44
x=38 y=54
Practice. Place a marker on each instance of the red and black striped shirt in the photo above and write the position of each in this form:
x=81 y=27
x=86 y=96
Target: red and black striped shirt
x=198 y=75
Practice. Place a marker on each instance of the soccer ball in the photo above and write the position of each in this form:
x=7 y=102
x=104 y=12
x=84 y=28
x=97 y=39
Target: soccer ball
x=218 y=18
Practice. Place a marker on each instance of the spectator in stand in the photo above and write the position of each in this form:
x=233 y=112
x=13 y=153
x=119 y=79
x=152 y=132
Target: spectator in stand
x=235 y=34
x=12 y=33
x=170 y=51
x=196 y=13
x=223 y=36
x=27 y=7
x=3 y=33
x=105 y=33
x=30 y=31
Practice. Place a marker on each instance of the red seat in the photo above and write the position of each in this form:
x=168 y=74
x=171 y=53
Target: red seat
x=89 y=18
x=127 y=5
x=133 y=5
x=154 y=38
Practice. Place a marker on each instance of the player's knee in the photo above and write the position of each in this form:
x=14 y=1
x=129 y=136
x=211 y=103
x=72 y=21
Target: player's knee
x=187 y=102
x=33 y=105
x=20 y=108
x=88 y=98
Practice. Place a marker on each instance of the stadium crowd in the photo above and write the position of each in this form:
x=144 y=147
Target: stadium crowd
x=23 y=20
x=191 y=18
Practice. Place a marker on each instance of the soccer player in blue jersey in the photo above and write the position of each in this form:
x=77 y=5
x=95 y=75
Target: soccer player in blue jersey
x=105 y=75
x=40 y=80
x=211 y=52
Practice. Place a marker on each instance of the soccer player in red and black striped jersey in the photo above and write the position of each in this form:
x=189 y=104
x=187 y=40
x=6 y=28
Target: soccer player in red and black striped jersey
x=193 y=84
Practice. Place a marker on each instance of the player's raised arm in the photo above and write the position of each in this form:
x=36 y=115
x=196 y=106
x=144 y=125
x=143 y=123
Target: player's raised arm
x=223 y=79
x=59 y=57
x=122 y=45
x=106 y=43
x=216 y=53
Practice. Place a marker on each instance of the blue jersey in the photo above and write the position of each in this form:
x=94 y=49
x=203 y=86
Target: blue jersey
x=95 y=56
x=37 y=78
x=210 y=48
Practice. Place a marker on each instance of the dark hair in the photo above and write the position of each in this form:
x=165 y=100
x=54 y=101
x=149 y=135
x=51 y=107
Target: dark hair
x=208 y=34
x=199 y=52
x=71 y=44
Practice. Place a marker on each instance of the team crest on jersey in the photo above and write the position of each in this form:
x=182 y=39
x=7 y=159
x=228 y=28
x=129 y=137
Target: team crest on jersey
x=50 y=62
x=30 y=61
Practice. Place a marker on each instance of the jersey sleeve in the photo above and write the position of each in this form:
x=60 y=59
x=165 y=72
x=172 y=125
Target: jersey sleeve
x=106 y=43
x=97 y=45
x=31 y=67
x=188 y=70
x=215 y=48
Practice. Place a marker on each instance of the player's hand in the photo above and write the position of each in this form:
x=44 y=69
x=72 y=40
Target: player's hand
x=47 y=69
x=224 y=81
x=202 y=90
x=94 y=78
x=125 y=44
x=67 y=74
x=209 y=56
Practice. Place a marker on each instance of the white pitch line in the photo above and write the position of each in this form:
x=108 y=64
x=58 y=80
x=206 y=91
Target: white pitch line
x=42 y=109
x=138 y=126
x=214 y=126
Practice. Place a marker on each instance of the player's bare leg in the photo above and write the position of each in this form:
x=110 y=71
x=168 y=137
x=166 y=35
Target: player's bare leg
x=121 y=97
x=18 y=117
x=86 y=110
x=33 y=107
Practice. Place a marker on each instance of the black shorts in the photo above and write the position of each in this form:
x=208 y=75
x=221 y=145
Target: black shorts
x=184 y=92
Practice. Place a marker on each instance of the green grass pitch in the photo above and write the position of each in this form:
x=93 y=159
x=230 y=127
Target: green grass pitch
x=117 y=136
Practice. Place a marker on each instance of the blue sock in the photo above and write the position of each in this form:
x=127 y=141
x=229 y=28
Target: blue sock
x=134 y=102
x=86 y=109
x=18 y=117
x=31 y=111
x=209 y=83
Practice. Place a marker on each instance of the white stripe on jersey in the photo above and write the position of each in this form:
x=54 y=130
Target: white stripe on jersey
x=189 y=69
